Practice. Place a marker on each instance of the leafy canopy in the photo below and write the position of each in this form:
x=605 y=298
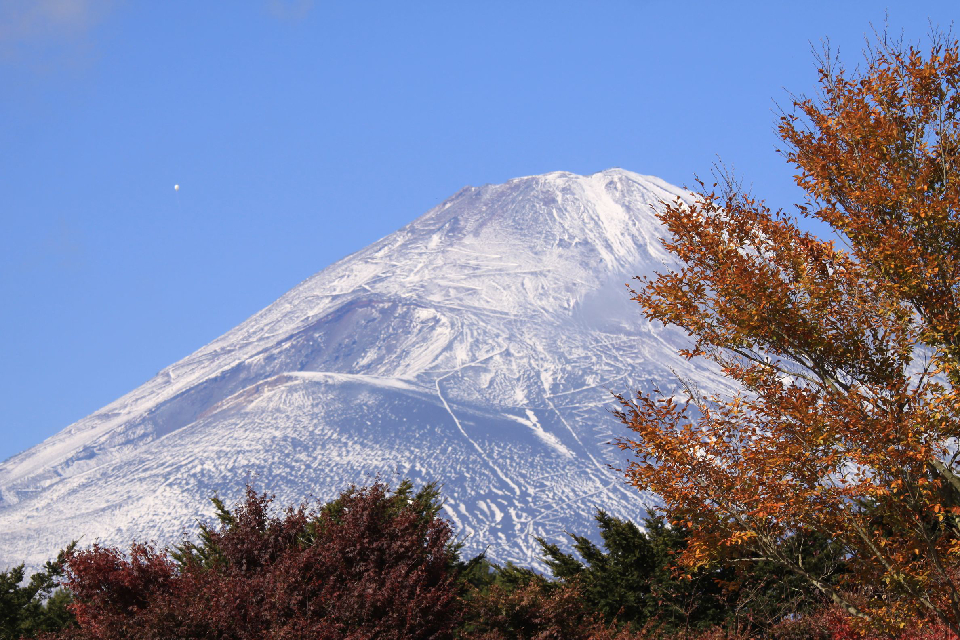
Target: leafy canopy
x=371 y=564
x=848 y=356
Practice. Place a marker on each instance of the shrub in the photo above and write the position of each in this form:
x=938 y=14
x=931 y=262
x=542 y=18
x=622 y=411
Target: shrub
x=370 y=564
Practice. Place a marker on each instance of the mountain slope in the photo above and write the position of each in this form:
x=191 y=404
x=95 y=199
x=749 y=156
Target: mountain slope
x=476 y=346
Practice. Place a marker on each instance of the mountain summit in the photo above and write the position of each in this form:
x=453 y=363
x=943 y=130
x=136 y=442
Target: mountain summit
x=477 y=346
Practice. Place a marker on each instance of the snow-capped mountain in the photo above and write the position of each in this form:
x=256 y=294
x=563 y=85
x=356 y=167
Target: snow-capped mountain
x=477 y=346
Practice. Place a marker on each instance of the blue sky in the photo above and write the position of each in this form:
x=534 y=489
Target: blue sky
x=302 y=131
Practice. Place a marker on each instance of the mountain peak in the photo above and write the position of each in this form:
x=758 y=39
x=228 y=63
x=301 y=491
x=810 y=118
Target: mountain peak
x=476 y=346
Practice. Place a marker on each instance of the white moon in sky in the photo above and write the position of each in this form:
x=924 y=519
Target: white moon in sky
x=176 y=187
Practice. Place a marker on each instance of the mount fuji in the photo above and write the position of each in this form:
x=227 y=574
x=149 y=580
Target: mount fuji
x=476 y=346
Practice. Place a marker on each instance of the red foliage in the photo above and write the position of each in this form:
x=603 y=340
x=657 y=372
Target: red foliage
x=833 y=624
x=366 y=566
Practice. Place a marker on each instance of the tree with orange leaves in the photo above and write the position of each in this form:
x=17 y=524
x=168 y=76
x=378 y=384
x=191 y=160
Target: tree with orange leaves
x=847 y=353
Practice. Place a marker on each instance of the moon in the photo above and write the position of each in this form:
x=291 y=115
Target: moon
x=176 y=187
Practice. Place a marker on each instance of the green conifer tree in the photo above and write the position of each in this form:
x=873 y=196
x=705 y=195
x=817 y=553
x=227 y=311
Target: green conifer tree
x=37 y=606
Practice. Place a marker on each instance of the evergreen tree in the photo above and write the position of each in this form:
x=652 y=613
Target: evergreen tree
x=39 y=605
x=636 y=579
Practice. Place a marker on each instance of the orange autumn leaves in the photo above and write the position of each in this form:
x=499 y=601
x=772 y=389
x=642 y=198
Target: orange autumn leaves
x=848 y=359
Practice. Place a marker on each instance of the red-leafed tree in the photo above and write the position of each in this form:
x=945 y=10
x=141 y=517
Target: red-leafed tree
x=371 y=564
x=848 y=353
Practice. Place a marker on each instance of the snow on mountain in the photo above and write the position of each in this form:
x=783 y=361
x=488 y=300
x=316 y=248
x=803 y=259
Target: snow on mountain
x=477 y=346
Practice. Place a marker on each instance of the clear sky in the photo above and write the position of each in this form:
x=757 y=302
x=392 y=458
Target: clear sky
x=299 y=132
